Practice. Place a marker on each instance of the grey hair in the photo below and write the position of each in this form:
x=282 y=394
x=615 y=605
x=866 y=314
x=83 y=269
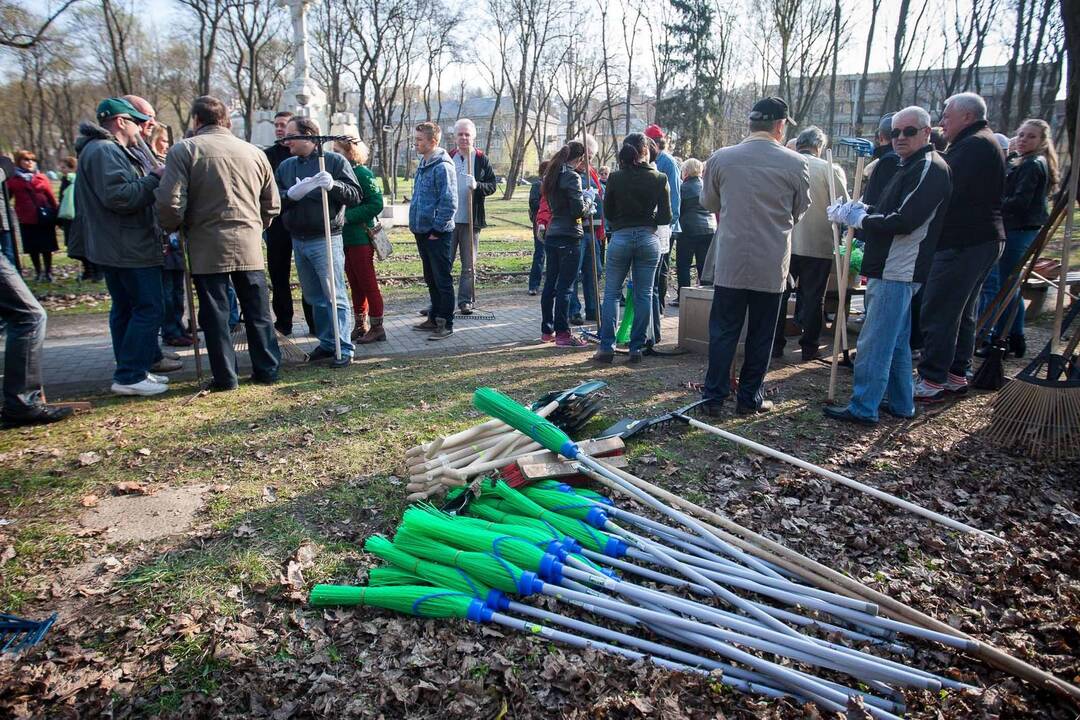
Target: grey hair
x=921 y=114
x=969 y=102
x=811 y=137
x=465 y=121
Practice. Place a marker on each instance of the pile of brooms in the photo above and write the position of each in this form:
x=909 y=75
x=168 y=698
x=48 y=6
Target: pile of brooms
x=695 y=593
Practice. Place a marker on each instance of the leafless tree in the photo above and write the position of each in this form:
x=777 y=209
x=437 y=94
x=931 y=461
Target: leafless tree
x=209 y=16
x=904 y=38
x=21 y=30
x=330 y=29
x=860 y=101
x=252 y=28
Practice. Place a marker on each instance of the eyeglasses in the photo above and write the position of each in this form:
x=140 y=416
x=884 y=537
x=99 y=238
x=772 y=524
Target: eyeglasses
x=909 y=131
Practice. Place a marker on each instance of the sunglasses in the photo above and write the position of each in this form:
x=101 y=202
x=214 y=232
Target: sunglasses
x=909 y=131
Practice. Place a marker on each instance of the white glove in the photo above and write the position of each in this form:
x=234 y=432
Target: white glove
x=301 y=188
x=590 y=195
x=323 y=180
x=468 y=180
x=834 y=212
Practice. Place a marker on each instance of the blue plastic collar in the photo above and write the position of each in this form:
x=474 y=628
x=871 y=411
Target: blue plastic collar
x=479 y=612
x=569 y=450
x=526 y=582
x=551 y=569
x=596 y=517
x=615 y=547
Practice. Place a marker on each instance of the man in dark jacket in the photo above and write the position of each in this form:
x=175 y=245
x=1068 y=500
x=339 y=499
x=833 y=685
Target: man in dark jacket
x=431 y=221
x=474 y=177
x=279 y=244
x=884 y=165
x=970 y=244
x=901 y=232
x=300 y=183
x=115 y=197
x=537 y=269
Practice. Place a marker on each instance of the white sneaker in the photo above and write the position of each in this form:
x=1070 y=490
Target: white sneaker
x=143 y=387
x=956 y=384
x=159 y=379
x=927 y=391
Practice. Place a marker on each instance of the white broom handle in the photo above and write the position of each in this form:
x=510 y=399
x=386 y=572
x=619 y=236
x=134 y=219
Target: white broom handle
x=330 y=262
x=841 y=282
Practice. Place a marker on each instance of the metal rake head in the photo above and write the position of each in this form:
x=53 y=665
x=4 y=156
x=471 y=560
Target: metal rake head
x=861 y=146
x=18 y=633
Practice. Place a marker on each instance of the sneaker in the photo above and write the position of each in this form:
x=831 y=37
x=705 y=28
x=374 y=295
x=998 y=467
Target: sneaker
x=441 y=332
x=345 y=361
x=569 y=340
x=159 y=379
x=547 y=337
x=426 y=326
x=928 y=391
x=165 y=365
x=836 y=412
x=143 y=388
x=577 y=320
x=319 y=354
x=465 y=308
x=956 y=384
x=169 y=354
x=603 y=357
x=37 y=415
x=533 y=291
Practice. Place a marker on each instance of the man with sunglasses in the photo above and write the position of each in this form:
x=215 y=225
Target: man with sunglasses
x=900 y=231
x=971 y=241
x=115 y=197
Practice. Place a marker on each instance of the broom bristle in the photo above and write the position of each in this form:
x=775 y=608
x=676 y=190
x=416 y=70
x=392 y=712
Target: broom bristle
x=435 y=574
x=291 y=354
x=518 y=551
x=410 y=599
x=455 y=579
x=563 y=503
x=588 y=536
x=390 y=575
x=484 y=567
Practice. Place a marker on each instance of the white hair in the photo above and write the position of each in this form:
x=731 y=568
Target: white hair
x=920 y=114
x=969 y=102
x=467 y=123
x=811 y=137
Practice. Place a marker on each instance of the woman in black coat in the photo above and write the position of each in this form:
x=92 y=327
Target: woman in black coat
x=561 y=187
x=1029 y=182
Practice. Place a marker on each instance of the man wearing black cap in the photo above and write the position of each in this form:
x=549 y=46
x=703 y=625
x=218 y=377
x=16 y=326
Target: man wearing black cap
x=885 y=163
x=760 y=189
x=115 y=197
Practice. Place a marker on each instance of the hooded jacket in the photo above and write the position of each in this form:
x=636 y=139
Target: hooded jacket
x=303 y=218
x=978 y=179
x=115 y=223
x=434 y=199
x=901 y=231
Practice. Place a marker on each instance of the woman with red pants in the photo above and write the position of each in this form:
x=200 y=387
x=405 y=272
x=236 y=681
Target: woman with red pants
x=359 y=251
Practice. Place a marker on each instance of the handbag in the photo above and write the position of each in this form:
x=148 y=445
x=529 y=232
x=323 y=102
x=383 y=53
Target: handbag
x=381 y=240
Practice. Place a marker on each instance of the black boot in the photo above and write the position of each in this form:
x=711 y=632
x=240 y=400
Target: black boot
x=1017 y=345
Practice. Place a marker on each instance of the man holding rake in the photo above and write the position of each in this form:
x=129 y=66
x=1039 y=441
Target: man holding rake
x=901 y=232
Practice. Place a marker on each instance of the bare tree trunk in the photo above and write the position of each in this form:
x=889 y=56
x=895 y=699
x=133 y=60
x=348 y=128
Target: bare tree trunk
x=1070 y=18
x=832 y=77
x=1006 y=113
x=860 y=102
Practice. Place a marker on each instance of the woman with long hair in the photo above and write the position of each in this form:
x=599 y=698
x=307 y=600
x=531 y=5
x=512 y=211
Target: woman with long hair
x=36 y=207
x=1030 y=180
x=637 y=202
x=561 y=188
x=359 y=251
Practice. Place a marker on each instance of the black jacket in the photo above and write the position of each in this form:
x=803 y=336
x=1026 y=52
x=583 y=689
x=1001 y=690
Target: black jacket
x=534 y=200
x=1024 y=205
x=567 y=206
x=277 y=154
x=887 y=164
x=485 y=185
x=978 y=176
x=637 y=197
x=901 y=232
x=303 y=218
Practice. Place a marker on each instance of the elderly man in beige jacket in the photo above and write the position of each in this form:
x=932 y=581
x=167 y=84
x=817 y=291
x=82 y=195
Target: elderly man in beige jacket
x=219 y=191
x=760 y=190
x=811 y=247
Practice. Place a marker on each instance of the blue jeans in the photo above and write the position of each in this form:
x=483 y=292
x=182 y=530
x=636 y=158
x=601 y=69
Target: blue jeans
x=7 y=246
x=134 y=320
x=437 y=257
x=172 y=282
x=537 y=269
x=1016 y=244
x=883 y=362
x=637 y=251
x=589 y=245
x=730 y=307
x=315 y=282
x=563 y=261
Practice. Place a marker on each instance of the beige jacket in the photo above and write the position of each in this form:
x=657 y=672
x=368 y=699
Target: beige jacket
x=813 y=234
x=760 y=189
x=220 y=192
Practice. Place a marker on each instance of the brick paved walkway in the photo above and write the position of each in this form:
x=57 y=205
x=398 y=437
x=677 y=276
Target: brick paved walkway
x=83 y=363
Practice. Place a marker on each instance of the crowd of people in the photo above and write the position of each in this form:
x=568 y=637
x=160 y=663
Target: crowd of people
x=945 y=216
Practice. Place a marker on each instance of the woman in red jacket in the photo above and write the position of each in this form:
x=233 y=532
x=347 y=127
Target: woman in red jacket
x=36 y=207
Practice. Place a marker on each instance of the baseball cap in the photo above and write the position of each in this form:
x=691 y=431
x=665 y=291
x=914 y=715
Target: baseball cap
x=111 y=107
x=771 y=108
x=654 y=132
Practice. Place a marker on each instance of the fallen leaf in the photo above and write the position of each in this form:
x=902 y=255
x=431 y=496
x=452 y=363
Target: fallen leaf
x=168 y=664
x=88 y=458
x=145 y=452
x=131 y=488
x=8 y=554
x=89 y=501
x=112 y=564
x=269 y=494
x=244 y=531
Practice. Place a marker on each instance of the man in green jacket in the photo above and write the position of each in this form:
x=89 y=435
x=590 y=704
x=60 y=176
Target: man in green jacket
x=220 y=193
